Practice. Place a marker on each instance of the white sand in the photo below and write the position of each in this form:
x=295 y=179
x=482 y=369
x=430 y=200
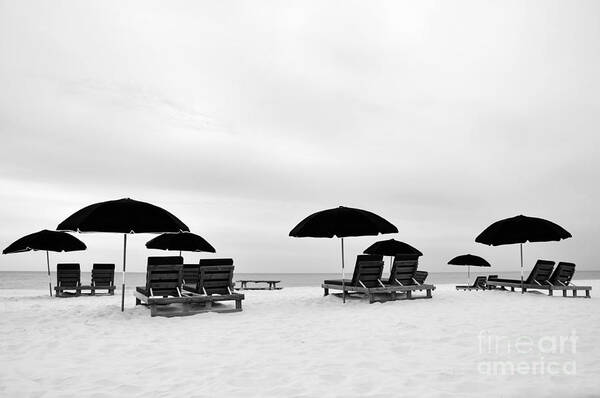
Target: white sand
x=296 y=343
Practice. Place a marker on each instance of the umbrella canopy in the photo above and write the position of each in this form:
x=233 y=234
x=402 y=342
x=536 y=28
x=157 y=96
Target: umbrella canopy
x=522 y=229
x=123 y=216
x=392 y=247
x=182 y=241
x=342 y=222
x=470 y=260
x=46 y=240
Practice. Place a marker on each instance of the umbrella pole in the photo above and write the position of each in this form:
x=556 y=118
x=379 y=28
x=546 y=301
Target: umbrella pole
x=343 y=275
x=522 y=292
x=49 y=277
x=124 y=262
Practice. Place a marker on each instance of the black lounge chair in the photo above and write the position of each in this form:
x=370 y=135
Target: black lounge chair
x=478 y=284
x=538 y=276
x=191 y=272
x=403 y=270
x=367 y=272
x=563 y=274
x=164 y=277
x=404 y=273
x=213 y=278
x=561 y=280
x=68 y=277
x=366 y=279
x=103 y=277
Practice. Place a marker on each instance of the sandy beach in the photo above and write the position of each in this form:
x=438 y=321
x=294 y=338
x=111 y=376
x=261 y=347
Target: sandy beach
x=296 y=343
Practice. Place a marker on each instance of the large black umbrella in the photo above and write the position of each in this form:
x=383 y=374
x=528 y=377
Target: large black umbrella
x=46 y=240
x=392 y=247
x=126 y=216
x=182 y=241
x=342 y=222
x=469 y=260
x=521 y=229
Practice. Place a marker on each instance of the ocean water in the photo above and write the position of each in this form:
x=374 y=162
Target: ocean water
x=39 y=280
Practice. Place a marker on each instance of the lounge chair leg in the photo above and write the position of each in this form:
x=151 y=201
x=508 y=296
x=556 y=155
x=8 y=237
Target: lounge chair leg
x=137 y=301
x=512 y=289
x=409 y=295
x=550 y=292
x=238 y=305
x=325 y=291
x=524 y=290
x=564 y=293
x=370 y=298
x=574 y=293
x=587 y=294
x=428 y=293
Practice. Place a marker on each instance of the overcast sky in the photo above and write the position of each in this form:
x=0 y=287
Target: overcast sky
x=242 y=118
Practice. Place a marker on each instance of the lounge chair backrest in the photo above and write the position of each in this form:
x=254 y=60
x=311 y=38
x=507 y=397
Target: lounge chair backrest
x=68 y=274
x=164 y=275
x=420 y=277
x=368 y=270
x=103 y=274
x=480 y=281
x=403 y=270
x=540 y=273
x=563 y=273
x=215 y=279
x=190 y=273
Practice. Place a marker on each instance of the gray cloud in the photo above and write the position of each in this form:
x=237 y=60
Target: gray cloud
x=243 y=118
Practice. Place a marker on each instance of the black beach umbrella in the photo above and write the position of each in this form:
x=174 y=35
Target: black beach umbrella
x=49 y=241
x=521 y=229
x=342 y=222
x=392 y=247
x=126 y=216
x=182 y=241
x=469 y=260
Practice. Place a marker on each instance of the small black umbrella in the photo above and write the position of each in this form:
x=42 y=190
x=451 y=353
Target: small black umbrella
x=182 y=241
x=46 y=240
x=126 y=216
x=392 y=247
x=342 y=222
x=522 y=229
x=469 y=260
